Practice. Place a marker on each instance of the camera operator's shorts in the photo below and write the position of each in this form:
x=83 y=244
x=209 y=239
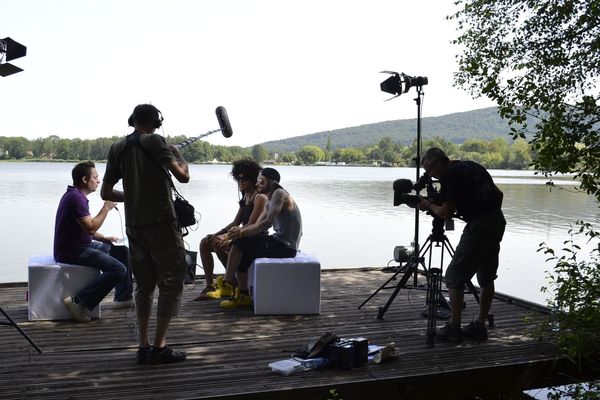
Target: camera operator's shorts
x=477 y=252
x=261 y=245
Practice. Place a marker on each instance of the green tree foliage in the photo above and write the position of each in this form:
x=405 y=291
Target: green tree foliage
x=519 y=154
x=328 y=146
x=310 y=154
x=575 y=321
x=259 y=153
x=540 y=61
x=495 y=154
x=289 y=158
x=386 y=144
x=13 y=147
x=351 y=156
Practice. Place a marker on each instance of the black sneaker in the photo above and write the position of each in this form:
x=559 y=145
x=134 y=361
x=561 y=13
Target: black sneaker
x=166 y=355
x=142 y=356
x=475 y=330
x=449 y=333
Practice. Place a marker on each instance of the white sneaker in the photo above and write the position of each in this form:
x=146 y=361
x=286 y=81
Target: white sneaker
x=124 y=303
x=78 y=311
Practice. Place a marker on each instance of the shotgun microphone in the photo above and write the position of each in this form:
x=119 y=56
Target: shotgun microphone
x=224 y=121
x=225 y=128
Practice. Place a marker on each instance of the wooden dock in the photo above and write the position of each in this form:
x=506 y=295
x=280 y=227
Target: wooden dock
x=229 y=351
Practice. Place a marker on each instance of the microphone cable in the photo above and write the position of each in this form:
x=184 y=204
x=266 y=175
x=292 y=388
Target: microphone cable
x=131 y=312
x=121 y=225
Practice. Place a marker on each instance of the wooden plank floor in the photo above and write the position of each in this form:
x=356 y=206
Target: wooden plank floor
x=228 y=351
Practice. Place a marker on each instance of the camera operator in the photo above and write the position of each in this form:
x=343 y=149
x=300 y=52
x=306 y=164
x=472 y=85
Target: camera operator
x=469 y=193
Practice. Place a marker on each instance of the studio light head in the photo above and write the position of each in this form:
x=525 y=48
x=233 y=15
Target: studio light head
x=10 y=50
x=401 y=83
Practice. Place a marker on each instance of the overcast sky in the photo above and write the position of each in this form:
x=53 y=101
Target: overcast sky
x=281 y=68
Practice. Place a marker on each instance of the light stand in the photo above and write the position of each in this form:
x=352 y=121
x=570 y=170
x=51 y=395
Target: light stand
x=398 y=84
x=10 y=50
x=18 y=328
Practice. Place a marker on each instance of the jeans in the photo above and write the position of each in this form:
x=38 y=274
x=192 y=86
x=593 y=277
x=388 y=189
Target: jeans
x=115 y=274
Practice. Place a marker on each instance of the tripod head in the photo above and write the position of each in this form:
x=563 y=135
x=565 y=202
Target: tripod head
x=437 y=228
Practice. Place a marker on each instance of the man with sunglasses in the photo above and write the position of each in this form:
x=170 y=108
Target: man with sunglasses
x=250 y=242
x=469 y=193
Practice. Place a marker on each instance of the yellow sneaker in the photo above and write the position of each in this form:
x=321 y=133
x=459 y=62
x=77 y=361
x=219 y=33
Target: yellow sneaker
x=219 y=282
x=225 y=291
x=239 y=300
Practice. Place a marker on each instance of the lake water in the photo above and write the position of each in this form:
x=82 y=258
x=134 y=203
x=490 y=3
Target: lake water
x=348 y=216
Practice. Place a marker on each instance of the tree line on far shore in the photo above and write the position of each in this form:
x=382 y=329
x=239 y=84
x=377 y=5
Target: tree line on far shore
x=497 y=153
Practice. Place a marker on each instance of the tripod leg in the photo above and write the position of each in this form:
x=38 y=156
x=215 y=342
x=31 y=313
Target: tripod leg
x=411 y=267
x=433 y=292
x=13 y=323
x=473 y=291
x=378 y=289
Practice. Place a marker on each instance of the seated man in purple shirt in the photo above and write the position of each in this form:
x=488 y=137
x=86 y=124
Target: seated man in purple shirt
x=73 y=232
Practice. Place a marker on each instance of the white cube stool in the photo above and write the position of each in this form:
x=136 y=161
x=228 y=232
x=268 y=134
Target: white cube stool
x=50 y=282
x=286 y=285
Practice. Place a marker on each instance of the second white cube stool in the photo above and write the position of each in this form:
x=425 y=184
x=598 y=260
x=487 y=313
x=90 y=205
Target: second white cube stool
x=286 y=285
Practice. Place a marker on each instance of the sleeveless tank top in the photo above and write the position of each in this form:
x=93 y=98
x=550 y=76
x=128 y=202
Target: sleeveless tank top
x=246 y=210
x=288 y=227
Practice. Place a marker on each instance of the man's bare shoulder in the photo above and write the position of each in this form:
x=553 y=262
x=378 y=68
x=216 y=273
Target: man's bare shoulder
x=282 y=197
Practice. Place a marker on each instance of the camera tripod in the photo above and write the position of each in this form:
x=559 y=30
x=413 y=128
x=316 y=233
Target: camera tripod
x=434 y=297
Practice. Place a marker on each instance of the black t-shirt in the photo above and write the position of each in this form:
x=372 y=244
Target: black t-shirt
x=472 y=190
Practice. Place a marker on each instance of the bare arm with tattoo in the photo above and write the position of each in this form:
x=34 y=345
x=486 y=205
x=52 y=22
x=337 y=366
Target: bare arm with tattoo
x=279 y=199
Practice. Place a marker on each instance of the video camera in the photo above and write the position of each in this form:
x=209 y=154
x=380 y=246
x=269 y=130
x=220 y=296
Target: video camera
x=402 y=188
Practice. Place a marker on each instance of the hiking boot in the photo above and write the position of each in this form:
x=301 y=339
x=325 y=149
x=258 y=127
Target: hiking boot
x=450 y=333
x=219 y=282
x=166 y=355
x=238 y=300
x=123 y=304
x=78 y=311
x=225 y=291
x=142 y=356
x=475 y=330
x=203 y=293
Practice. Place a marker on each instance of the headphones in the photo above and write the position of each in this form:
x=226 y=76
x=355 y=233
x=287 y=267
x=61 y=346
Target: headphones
x=144 y=114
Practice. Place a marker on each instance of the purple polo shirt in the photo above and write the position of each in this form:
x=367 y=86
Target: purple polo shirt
x=67 y=232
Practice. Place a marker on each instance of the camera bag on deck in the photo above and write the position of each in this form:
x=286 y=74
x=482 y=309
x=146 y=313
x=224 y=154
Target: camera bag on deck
x=318 y=348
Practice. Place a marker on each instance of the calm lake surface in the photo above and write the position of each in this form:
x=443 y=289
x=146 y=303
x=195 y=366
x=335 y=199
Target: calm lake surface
x=348 y=217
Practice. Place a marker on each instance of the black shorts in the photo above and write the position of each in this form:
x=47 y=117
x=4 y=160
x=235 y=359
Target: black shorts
x=259 y=246
x=477 y=252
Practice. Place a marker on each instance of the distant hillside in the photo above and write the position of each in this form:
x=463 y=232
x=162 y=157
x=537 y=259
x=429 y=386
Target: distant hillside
x=481 y=124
